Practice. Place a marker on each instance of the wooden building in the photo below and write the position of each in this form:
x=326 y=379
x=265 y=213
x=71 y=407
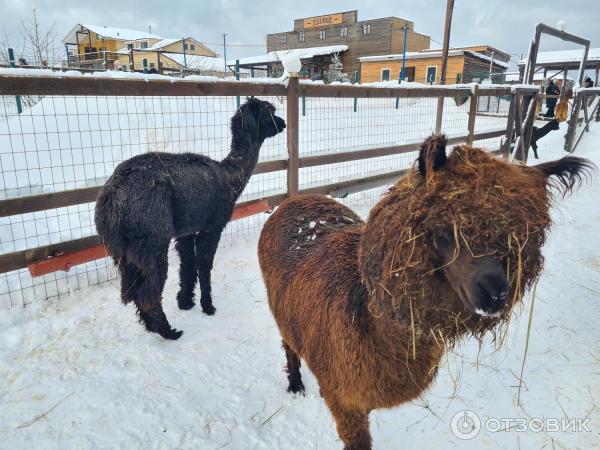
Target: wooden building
x=365 y=37
x=101 y=47
x=464 y=66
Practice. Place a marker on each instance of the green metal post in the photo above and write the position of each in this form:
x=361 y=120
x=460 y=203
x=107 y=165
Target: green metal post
x=237 y=77
x=400 y=77
x=145 y=65
x=356 y=80
x=303 y=105
x=11 y=59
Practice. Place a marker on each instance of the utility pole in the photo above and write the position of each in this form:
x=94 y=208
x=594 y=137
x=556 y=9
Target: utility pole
x=449 y=9
x=405 y=29
x=224 y=54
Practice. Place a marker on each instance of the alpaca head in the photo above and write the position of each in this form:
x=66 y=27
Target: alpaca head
x=458 y=241
x=257 y=118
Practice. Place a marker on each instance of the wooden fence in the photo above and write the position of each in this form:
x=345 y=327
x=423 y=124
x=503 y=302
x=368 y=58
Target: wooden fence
x=516 y=136
x=586 y=108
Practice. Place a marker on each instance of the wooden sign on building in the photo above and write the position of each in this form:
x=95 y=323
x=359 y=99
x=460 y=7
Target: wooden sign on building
x=323 y=21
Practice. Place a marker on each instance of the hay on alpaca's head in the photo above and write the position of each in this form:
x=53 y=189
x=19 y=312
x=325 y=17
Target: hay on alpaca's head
x=474 y=203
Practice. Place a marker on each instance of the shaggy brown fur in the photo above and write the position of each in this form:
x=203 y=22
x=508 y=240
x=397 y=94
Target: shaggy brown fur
x=371 y=307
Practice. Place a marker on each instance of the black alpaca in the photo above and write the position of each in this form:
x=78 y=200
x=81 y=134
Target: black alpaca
x=154 y=197
x=539 y=133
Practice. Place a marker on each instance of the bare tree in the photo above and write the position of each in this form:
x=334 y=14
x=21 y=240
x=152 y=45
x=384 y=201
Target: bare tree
x=40 y=44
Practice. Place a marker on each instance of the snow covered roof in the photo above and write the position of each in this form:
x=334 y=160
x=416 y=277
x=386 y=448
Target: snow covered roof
x=301 y=53
x=561 y=56
x=430 y=54
x=122 y=34
x=470 y=47
x=196 y=62
x=557 y=75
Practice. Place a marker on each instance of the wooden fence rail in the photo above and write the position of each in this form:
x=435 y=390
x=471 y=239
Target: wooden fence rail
x=88 y=86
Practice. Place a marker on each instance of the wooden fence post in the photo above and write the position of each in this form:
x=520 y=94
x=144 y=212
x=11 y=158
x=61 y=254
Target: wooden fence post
x=439 y=115
x=292 y=134
x=472 y=114
x=510 y=123
x=570 y=136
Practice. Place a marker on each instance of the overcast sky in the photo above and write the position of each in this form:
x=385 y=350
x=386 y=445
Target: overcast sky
x=506 y=24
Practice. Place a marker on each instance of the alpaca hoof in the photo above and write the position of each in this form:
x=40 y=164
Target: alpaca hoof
x=296 y=388
x=186 y=305
x=209 y=310
x=172 y=334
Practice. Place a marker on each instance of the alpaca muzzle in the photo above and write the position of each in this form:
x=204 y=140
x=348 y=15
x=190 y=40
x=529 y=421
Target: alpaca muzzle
x=480 y=283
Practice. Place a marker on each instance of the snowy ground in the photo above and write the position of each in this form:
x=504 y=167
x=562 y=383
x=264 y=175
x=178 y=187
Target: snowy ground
x=82 y=373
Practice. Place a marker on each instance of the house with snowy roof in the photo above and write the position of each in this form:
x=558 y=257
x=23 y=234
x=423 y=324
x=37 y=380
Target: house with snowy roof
x=465 y=65
x=102 y=47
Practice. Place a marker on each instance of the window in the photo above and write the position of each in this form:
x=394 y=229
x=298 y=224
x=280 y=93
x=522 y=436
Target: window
x=284 y=38
x=301 y=36
x=129 y=46
x=144 y=44
x=431 y=74
x=344 y=31
x=367 y=28
x=192 y=47
x=385 y=74
x=322 y=34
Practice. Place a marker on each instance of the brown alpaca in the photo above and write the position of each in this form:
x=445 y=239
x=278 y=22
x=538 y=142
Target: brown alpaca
x=372 y=307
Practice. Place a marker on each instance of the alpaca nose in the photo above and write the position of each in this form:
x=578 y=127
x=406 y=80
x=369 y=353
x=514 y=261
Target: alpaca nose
x=492 y=287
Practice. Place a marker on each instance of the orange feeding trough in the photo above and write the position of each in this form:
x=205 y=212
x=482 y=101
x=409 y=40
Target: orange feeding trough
x=65 y=261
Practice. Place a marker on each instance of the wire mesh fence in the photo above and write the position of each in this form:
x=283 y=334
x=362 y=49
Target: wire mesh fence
x=63 y=142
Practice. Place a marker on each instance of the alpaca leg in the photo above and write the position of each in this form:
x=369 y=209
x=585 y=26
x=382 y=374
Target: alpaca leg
x=130 y=280
x=206 y=247
x=293 y=370
x=148 y=299
x=352 y=425
x=187 y=272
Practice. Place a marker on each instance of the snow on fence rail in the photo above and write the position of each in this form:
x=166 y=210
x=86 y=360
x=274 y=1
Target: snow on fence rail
x=341 y=139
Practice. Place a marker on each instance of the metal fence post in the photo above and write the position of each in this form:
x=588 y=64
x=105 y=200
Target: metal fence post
x=11 y=59
x=356 y=80
x=237 y=77
x=292 y=134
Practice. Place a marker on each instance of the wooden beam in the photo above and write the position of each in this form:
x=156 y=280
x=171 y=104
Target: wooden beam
x=23 y=258
x=357 y=155
x=20 y=85
x=61 y=199
x=361 y=91
x=292 y=126
x=563 y=35
x=472 y=115
x=446 y=44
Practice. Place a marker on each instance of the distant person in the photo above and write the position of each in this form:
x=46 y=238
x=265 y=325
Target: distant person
x=588 y=83
x=152 y=69
x=552 y=89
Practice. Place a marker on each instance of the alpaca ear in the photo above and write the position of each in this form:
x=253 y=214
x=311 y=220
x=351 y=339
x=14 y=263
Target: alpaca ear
x=432 y=155
x=567 y=173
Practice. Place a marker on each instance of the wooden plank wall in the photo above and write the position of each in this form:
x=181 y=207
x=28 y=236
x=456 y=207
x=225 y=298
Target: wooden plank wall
x=371 y=71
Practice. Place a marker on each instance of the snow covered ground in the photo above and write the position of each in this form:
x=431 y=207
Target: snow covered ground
x=82 y=373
